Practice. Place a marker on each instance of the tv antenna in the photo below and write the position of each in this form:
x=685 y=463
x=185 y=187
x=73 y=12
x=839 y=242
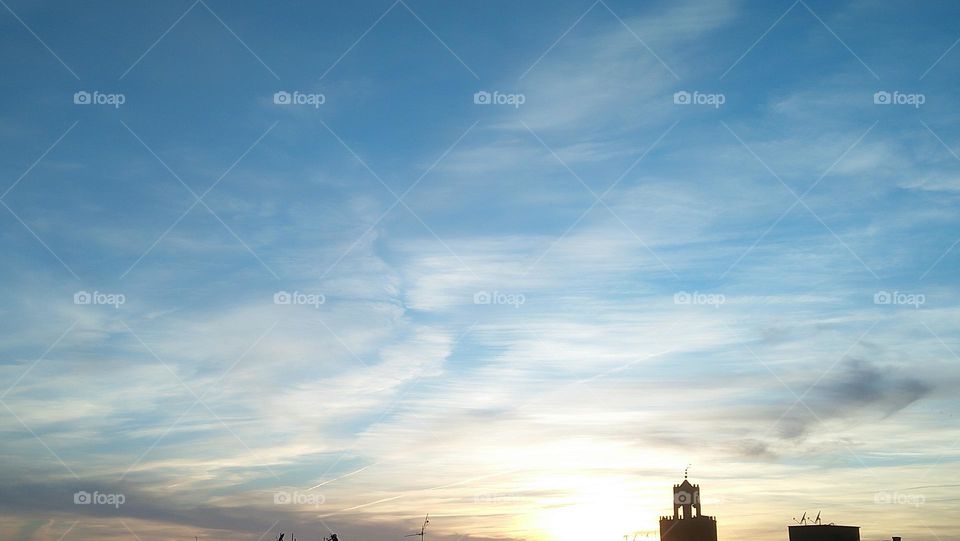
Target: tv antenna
x=419 y=534
x=803 y=519
x=817 y=520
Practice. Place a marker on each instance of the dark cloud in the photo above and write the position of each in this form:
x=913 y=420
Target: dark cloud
x=753 y=448
x=863 y=384
x=857 y=389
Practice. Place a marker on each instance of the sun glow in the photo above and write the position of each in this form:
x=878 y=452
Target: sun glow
x=598 y=510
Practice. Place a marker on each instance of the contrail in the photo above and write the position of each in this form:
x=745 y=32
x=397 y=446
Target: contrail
x=342 y=476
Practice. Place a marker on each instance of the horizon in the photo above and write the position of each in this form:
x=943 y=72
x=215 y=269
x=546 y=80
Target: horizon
x=331 y=267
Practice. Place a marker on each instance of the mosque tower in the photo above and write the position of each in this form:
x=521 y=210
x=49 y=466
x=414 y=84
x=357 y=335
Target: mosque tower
x=688 y=522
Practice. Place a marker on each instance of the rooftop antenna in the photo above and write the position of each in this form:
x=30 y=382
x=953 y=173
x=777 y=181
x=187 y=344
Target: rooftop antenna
x=817 y=520
x=803 y=519
x=419 y=534
x=281 y=537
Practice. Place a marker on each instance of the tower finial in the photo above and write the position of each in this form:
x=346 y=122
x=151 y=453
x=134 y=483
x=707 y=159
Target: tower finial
x=685 y=471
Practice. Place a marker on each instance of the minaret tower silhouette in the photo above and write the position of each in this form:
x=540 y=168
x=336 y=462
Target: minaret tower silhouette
x=688 y=522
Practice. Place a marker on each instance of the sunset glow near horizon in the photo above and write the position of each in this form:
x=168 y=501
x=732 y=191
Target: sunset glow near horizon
x=330 y=267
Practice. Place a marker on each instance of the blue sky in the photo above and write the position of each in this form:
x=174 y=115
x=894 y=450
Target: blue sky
x=524 y=317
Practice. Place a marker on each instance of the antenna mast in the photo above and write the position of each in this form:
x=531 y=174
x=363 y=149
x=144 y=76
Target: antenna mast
x=419 y=534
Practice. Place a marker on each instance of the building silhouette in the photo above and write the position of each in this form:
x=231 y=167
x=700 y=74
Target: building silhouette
x=688 y=523
x=824 y=532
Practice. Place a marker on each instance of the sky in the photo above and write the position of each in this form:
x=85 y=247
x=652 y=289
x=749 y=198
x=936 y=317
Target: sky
x=321 y=267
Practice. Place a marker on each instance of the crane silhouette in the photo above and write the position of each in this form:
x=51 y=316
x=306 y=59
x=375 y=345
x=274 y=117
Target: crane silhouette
x=419 y=534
